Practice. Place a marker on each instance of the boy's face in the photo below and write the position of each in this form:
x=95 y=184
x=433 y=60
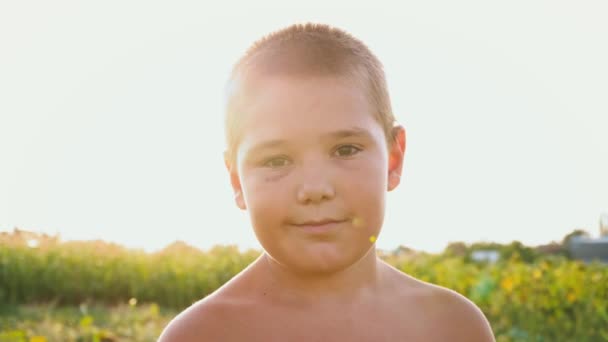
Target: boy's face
x=311 y=151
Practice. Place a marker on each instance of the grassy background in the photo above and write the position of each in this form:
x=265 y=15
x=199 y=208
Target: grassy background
x=97 y=291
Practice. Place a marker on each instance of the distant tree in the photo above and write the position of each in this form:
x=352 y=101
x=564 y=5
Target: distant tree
x=457 y=248
x=552 y=248
x=179 y=247
x=403 y=250
x=575 y=233
x=514 y=250
x=518 y=250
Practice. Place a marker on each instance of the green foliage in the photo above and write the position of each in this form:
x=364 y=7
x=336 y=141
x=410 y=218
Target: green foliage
x=551 y=299
x=75 y=272
x=42 y=323
x=514 y=250
x=526 y=296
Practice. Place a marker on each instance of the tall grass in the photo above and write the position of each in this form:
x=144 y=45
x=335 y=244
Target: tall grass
x=552 y=299
x=74 y=272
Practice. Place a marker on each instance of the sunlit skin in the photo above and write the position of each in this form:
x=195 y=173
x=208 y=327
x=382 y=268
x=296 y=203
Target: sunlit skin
x=312 y=150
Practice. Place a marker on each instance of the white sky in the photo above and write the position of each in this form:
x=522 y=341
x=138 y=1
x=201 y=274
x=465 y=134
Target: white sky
x=111 y=122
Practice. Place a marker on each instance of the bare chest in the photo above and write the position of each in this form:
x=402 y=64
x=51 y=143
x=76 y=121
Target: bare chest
x=334 y=325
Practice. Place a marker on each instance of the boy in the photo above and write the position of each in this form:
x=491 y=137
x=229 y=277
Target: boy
x=312 y=150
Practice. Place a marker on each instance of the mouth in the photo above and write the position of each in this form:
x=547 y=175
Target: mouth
x=320 y=227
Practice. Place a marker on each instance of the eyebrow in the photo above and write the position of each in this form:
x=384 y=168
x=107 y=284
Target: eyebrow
x=354 y=132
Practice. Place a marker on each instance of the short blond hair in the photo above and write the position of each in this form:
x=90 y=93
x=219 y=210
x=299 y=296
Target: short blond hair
x=310 y=50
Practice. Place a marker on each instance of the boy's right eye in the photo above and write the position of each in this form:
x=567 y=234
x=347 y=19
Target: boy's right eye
x=276 y=162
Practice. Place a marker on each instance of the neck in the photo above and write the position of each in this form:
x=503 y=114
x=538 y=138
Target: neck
x=357 y=281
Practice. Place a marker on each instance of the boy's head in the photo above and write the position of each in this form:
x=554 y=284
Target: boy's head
x=305 y=51
x=312 y=139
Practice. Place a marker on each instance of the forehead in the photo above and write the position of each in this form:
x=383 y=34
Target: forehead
x=302 y=108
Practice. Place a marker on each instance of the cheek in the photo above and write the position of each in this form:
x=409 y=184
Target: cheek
x=365 y=191
x=368 y=175
x=265 y=196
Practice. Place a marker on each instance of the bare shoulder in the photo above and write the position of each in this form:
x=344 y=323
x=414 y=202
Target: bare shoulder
x=199 y=322
x=461 y=318
x=212 y=318
x=445 y=314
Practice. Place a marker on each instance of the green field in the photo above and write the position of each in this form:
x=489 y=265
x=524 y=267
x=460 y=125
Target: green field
x=86 y=322
x=96 y=291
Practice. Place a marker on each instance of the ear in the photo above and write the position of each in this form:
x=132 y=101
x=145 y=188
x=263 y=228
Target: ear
x=235 y=182
x=395 y=157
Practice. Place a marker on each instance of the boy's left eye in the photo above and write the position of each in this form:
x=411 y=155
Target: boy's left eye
x=347 y=150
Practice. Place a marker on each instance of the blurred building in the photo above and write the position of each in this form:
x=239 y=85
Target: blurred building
x=589 y=249
x=487 y=255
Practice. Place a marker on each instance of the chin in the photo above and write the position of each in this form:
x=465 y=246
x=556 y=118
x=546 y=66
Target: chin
x=316 y=261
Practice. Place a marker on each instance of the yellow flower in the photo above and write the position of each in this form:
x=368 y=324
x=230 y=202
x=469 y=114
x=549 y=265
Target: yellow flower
x=37 y=339
x=537 y=274
x=507 y=284
x=571 y=297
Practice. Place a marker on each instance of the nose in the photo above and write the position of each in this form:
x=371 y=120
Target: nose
x=315 y=186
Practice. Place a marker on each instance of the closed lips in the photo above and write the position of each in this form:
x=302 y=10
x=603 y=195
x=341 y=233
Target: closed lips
x=318 y=223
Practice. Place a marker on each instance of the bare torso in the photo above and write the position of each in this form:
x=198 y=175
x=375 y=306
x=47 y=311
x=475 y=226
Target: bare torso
x=401 y=309
x=383 y=320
